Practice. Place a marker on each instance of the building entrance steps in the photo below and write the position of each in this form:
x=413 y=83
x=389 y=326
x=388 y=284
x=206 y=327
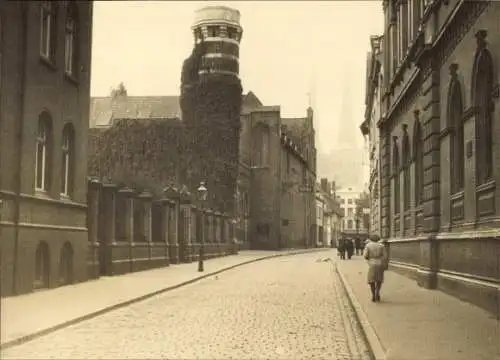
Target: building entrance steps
x=32 y=315
x=413 y=323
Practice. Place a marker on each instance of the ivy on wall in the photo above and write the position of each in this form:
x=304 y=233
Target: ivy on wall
x=151 y=154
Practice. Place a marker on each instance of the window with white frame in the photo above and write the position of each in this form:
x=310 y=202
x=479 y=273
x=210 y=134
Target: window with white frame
x=47 y=28
x=70 y=40
x=42 y=152
x=67 y=159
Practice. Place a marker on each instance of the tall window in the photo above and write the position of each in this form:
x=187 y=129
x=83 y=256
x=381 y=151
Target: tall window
x=42 y=155
x=411 y=19
x=404 y=27
x=482 y=99
x=70 y=40
x=67 y=160
x=397 y=180
x=265 y=147
x=350 y=225
x=47 y=29
x=418 y=151
x=457 y=159
x=400 y=33
x=406 y=172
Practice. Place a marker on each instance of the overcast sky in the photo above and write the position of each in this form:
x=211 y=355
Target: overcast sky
x=288 y=49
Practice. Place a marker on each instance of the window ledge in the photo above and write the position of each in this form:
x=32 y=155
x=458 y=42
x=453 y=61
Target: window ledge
x=458 y=195
x=40 y=193
x=489 y=185
x=48 y=62
x=65 y=197
x=71 y=78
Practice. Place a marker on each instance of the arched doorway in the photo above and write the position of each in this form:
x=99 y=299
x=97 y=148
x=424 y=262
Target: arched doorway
x=42 y=266
x=66 y=265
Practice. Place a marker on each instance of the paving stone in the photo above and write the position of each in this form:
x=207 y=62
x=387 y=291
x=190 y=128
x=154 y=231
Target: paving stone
x=289 y=307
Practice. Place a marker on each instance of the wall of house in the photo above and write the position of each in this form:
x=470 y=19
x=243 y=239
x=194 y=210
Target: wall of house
x=31 y=220
x=264 y=125
x=446 y=241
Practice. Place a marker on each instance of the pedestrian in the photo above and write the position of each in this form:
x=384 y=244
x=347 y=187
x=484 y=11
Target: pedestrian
x=341 y=248
x=350 y=248
x=377 y=259
x=359 y=246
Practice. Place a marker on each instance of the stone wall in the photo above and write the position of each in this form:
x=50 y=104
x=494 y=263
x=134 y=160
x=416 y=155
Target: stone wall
x=132 y=230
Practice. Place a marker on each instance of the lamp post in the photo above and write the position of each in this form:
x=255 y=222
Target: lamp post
x=202 y=193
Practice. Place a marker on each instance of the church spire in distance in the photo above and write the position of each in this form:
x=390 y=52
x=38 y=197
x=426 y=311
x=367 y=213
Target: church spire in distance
x=347 y=131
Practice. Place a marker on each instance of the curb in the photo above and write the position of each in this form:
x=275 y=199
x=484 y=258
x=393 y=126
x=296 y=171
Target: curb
x=35 y=335
x=370 y=335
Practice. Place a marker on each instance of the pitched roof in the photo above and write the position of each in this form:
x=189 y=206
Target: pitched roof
x=104 y=109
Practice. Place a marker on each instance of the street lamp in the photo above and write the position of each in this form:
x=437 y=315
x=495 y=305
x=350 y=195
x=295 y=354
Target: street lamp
x=202 y=193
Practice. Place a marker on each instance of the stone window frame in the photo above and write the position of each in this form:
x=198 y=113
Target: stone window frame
x=67 y=161
x=396 y=174
x=71 y=41
x=455 y=111
x=418 y=155
x=48 y=30
x=482 y=91
x=406 y=168
x=43 y=152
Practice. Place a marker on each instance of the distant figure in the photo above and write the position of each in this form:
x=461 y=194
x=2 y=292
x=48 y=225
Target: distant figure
x=377 y=259
x=341 y=248
x=350 y=248
x=359 y=246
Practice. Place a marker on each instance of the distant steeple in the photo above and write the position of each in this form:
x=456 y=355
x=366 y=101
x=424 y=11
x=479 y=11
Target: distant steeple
x=347 y=132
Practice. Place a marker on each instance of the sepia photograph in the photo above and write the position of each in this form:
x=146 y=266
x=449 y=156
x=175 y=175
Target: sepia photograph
x=255 y=180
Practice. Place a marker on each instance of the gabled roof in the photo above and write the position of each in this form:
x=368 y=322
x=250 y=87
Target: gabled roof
x=104 y=109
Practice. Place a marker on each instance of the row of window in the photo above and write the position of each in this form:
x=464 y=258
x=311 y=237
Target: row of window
x=214 y=31
x=407 y=15
x=482 y=91
x=44 y=156
x=48 y=35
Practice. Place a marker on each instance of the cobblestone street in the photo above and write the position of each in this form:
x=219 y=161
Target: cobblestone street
x=283 y=308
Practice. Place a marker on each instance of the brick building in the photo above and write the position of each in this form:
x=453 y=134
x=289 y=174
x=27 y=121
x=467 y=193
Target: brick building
x=45 y=53
x=439 y=145
x=369 y=127
x=282 y=158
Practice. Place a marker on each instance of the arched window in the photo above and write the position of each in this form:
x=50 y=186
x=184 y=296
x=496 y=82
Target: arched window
x=70 y=40
x=418 y=153
x=406 y=170
x=42 y=266
x=482 y=87
x=397 y=181
x=67 y=168
x=66 y=264
x=42 y=155
x=457 y=159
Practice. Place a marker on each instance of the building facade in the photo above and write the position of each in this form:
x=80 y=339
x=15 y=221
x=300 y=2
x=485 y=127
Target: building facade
x=369 y=128
x=352 y=223
x=45 y=53
x=282 y=161
x=328 y=214
x=438 y=146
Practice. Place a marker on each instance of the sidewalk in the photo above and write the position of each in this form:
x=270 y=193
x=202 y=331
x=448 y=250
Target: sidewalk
x=413 y=323
x=28 y=316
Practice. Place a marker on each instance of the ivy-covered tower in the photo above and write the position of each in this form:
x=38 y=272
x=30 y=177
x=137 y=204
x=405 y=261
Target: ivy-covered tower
x=211 y=96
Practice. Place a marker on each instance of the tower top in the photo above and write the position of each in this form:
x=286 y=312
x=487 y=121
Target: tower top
x=216 y=15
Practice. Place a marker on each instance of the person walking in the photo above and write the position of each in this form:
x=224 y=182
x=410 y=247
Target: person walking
x=376 y=256
x=350 y=248
x=341 y=248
